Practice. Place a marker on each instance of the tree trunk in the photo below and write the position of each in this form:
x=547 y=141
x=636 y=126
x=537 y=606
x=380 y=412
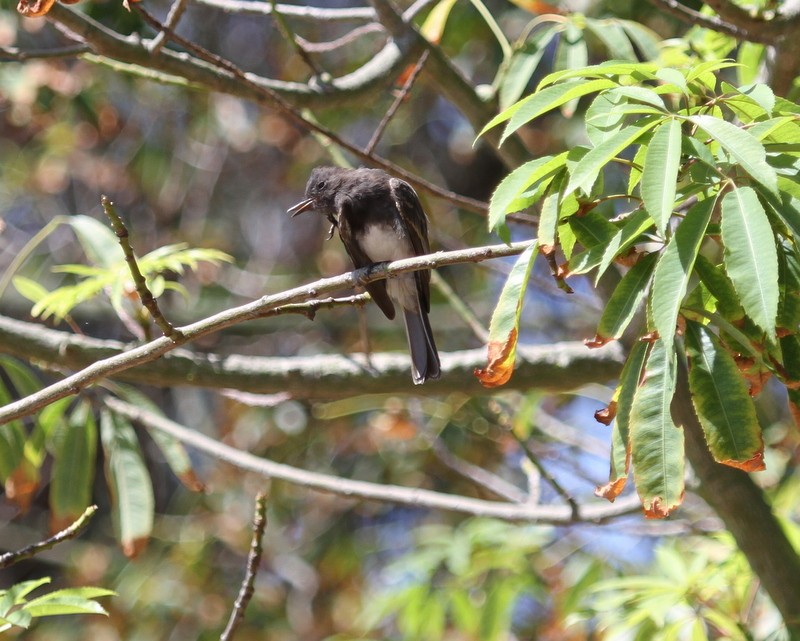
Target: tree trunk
x=741 y=504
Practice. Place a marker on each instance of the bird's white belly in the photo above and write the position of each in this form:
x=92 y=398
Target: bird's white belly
x=383 y=243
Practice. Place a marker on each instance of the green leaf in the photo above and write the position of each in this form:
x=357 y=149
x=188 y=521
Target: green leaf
x=611 y=68
x=571 y=53
x=544 y=100
x=549 y=214
x=620 y=432
x=748 y=152
x=504 y=327
x=585 y=173
x=656 y=443
x=722 y=402
x=522 y=66
x=519 y=180
x=614 y=38
x=635 y=225
x=73 y=467
x=672 y=273
x=99 y=243
x=68 y=601
x=646 y=40
x=660 y=174
x=721 y=287
x=29 y=289
x=625 y=299
x=751 y=258
x=129 y=482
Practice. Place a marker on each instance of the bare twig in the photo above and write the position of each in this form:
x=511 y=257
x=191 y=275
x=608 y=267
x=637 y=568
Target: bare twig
x=549 y=478
x=338 y=43
x=299 y=12
x=295 y=42
x=145 y=295
x=401 y=96
x=255 y=309
x=555 y=514
x=70 y=532
x=9 y=54
x=481 y=477
x=174 y=15
x=253 y=561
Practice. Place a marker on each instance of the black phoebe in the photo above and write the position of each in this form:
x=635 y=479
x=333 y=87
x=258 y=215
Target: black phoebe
x=379 y=219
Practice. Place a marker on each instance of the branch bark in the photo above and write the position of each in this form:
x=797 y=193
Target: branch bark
x=595 y=512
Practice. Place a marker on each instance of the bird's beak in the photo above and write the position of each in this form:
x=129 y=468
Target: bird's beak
x=300 y=207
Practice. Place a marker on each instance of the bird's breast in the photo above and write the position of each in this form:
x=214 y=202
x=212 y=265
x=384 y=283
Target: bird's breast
x=382 y=242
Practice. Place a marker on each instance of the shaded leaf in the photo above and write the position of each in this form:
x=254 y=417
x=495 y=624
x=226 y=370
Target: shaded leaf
x=722 y=402
x=128 y=481
x=73 y=468
x=626 y=299
x=656 y=443
x=620 y=433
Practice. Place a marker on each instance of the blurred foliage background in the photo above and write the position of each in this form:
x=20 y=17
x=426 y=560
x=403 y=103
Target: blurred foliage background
x=213 y=171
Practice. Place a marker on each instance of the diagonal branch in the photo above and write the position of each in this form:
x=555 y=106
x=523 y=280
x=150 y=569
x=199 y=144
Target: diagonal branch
x=595 y=512
x=155 y=349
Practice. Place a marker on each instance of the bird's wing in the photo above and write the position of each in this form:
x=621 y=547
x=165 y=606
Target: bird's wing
x=376 y=289
x=416 y=224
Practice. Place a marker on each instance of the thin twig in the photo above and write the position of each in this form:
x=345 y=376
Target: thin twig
x=460 y=307
x=255 y=309
x=595 y=512
x=70 y=532
x=174 y=15
x=14 y=54
x=549 y=478
x=296 y=45
x=145 y=295
x=253 y=561
x=343 y=41
x=399 y=99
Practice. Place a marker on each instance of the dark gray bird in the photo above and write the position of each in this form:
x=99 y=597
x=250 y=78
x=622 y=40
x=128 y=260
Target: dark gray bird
x=379 y=219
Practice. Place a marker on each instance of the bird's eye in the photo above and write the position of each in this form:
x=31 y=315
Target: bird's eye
x=321 y=184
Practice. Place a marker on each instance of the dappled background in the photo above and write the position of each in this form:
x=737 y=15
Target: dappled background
x=215 y=171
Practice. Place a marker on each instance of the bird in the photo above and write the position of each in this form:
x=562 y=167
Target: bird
x=379 y=219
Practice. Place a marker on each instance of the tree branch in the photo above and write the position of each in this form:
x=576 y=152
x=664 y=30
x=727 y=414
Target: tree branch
x=595 y=512
x=70 y=532
x=154 y=349
x=253 y=561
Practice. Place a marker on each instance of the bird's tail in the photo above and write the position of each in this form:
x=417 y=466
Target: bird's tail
x=424 y=357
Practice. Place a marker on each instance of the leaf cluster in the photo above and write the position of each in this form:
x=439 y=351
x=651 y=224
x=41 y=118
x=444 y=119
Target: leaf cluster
x=709 y=243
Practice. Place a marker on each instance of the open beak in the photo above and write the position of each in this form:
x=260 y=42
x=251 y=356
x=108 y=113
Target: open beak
x=300 y=207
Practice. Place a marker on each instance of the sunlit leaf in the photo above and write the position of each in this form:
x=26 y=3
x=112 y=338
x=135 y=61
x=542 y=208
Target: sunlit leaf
x=585 y=173
x=504 y=328
x=523 y=65
x=748 y=152
x=99 y=243
x=660 y=175
x=519 y=180
x=671 y=277
x=751 y=258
